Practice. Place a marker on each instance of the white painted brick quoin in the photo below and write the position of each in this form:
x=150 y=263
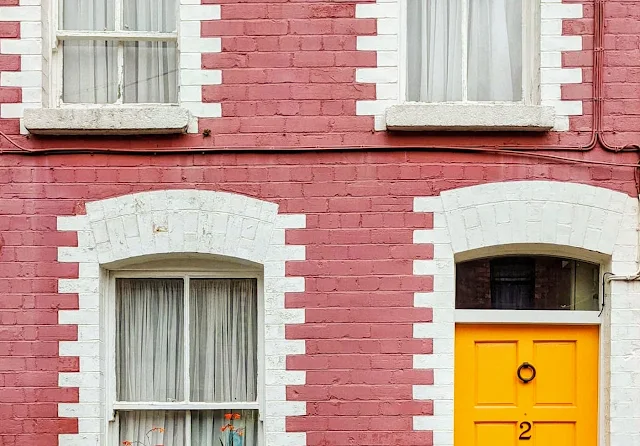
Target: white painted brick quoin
x=191 y=221
x=36 y=33
x=387 y=75
x=532 y=213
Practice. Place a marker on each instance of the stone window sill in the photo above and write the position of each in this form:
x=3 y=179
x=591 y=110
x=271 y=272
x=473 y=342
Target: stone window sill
x=419 y=116
x=107 y=120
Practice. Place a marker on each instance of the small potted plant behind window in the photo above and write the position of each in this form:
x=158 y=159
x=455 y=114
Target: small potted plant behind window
x=231 y=435
x=148 y=438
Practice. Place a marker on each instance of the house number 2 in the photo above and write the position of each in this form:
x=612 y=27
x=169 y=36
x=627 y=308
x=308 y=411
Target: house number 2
x=524 y=435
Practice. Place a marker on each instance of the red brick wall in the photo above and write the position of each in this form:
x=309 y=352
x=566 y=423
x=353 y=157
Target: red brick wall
x=359 y=282
x=288 y=80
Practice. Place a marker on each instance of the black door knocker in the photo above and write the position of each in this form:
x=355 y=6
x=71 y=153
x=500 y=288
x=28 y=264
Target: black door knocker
x=526 y=365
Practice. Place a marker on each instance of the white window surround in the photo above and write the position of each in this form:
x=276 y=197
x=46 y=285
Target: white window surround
x=544 y=110
x=40 y=84
x=535 y=217
x=151 y=225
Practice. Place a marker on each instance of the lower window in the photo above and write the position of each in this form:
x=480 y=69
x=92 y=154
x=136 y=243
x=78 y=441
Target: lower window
x=186 y=361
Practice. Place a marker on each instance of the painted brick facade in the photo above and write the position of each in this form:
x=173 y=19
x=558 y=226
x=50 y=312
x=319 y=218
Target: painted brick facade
x=362 y=342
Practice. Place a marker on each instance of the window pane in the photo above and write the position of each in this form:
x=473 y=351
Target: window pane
x=223 y=325
x=434 y=50
x=90 y=74
x=150 y=72
x=206 y=428
x=150 y=15
x=524 y=283
x=152 y=428
x=495 y=50
x=81 y=15
x=149 y=339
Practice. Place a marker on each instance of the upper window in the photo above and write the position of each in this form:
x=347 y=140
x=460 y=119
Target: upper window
x=467 y=50
x=527 y=283
x=186 y=361
x=118 y=51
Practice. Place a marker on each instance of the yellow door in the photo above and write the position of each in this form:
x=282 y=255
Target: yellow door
x=495 y=407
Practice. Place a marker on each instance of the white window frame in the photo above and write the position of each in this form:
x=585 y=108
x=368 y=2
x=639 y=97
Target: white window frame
x=109 y=335
x=60 y=35
x=531 y=23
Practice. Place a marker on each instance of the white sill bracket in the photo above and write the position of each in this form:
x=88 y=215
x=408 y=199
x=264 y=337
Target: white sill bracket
x=422 y=116
x=107 y=120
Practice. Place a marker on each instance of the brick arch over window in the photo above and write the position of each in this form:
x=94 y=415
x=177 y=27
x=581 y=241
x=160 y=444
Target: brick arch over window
x=574 y=219
x=179 y=221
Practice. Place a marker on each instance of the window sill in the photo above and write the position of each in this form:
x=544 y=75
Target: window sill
x=107 y=120
x=419 y=116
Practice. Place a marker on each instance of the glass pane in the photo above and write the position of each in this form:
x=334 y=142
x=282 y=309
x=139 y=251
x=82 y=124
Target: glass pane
x=150 y=15
x=495 y=50
x=150 y=72
x=89 y=72
x=223 y=334
x=434 y=50
x=152 y=428
x=149 y=339
x=82 y=15
x=240 y=428
x=523 y=283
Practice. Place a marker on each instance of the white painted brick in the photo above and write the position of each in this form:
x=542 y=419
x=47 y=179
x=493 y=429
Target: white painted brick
x=78 y=439
x=201 y=77
x=373 y=43
x=430 y=423
x=388 y=26
x=190 y=28
x=379 y=10
x=561 y=11
x=202 y=110
x=387 y=58
x=551 y=27
x=291 y=221
x=374 y=75
x=20 y=13
x=30 y=2
x=566 y=108
x=551 y=59
x=201 y=44
x=191 y=61
x=561 y=75
x=29 y=30
x=550 y=92
x=199 y=12
x=561 y=43
x=21 y=46
x=190 y=93
x=364 y=108
x=20 y=79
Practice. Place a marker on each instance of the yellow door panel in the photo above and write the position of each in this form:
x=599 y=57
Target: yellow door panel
x=555 y=363
x=490 y=434
x=546 y=434
x=493 y=406
x=494 y=361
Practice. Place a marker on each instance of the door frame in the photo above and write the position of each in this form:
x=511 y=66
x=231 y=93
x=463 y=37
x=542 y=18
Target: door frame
x=546 y=317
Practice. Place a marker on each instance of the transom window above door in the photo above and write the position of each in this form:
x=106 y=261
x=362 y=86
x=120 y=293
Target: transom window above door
x=117 y=51
x=527 y=283
x=470 y=50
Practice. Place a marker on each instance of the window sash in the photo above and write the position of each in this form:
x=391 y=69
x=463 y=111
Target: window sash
x=114 y=405
x=530 y=52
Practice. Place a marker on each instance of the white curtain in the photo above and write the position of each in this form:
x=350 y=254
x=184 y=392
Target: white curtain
x=90 y=71
x=435 y=48
x=150 y=68
x=150 y=348
x=223 y=325
x=495 y=50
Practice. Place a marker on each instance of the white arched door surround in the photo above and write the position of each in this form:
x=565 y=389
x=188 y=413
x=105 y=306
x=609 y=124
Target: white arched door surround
x=152 y=226
x=534 y=217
